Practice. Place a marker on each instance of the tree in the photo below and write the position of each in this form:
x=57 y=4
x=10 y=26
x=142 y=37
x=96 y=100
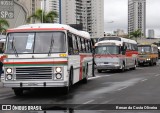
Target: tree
x=3 y=25
x=136 y=34
x=43 y=17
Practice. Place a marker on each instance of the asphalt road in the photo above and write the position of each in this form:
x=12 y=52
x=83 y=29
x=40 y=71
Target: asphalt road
x=140 y=86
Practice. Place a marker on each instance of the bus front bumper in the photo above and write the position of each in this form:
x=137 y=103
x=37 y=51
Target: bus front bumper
x=36 y=84
x=109 y=67
x=144 y=61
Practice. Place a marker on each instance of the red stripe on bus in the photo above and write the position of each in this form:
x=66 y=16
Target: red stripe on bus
x=81 y=65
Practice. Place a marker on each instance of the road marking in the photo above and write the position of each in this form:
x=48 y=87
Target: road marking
x=157 y=75
x=98 y=77
x=106 y=75
x=122 y=88
x=5 y=97
x=88 y=102
x=93 y=77
x=144 y=80
x=139 y=68
x=105 y=102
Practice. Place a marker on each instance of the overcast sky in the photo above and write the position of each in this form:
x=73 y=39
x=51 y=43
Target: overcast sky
x=116 y=15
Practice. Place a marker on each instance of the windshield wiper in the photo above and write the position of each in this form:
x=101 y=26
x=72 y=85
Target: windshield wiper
x=109 y=53
x=51 y=46
x=14 y=48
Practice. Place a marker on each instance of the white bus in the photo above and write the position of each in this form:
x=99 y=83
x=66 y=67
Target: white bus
x=2 y=42
x=46 y=55
x=116 y=54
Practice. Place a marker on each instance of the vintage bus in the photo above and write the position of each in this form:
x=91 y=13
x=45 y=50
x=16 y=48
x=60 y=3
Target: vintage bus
x=46 y=55
x=2 y=43
x=116 y=54
x=148 y=54
x=158 y=52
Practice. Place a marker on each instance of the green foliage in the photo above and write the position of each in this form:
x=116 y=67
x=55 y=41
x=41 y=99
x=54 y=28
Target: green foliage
x=43 y=17
x=136 y=34
x=3 y=25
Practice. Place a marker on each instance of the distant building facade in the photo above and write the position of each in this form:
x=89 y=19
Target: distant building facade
x=89 y=13
x=51 y=5
x=22 y=9
x=151 y=33
x=137 y=16
x=119 y=32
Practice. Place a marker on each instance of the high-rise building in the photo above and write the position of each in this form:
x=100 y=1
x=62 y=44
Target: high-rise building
x=51 y=5
x=137 y=16
x=30 y=5
x=88 y=13
x=151 y=33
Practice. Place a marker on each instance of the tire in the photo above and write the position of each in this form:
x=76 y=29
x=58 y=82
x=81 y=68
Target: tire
x=123 y=68
x=67 y=89
x=18 y=92
x=135 y=66
x=85 y=80
x=99 y=70
x=155 y=63
x=93 y=74
x=151 y=63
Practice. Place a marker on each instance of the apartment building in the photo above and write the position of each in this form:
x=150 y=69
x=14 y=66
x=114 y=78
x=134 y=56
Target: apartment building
x=137 y=16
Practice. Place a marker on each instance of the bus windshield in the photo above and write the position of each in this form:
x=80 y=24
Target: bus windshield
x=36 y=42
x=144 y=49
x=109 y=49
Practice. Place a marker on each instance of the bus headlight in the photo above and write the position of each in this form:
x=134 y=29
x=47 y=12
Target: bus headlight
x=58 y=69
x=58 y=76
x=9 y=70
x=9 y=77
x=148 y=58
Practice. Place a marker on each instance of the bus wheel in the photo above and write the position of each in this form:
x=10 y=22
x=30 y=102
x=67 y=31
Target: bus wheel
x=151 y=63
x=123 y=68
x=99 y=70
x=18 y=91
x=93 y=74
x=70 y=82
x=135 y=65
x=155 y=63
x=85 y=80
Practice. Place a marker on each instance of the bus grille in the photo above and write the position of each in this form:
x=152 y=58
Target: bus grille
x=34 y=73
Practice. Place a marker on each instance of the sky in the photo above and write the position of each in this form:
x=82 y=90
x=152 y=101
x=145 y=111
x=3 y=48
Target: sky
x=116 y=15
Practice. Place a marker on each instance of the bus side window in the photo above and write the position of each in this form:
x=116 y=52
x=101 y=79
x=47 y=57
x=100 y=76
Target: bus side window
x=70 y=44
x=89 y=46
x=83 y=45
x=79 y=44
x=86 y=44
x=75 y=45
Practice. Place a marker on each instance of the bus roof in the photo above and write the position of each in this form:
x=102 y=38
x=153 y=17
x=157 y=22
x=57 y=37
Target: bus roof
x=49 y=27
x=116 y=42
x=120 y=39
x=116 y=38
x=147 y=44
